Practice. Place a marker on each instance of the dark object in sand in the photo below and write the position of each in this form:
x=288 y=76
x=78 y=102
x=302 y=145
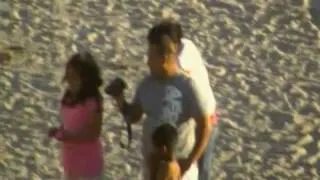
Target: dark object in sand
x=5 y=57
x=115 y=89
x=15 y=48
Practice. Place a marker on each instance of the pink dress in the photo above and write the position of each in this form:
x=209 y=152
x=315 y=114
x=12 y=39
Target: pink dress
x=81 y=159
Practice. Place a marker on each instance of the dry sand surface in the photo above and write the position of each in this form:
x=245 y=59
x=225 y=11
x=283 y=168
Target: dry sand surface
x=263 y=57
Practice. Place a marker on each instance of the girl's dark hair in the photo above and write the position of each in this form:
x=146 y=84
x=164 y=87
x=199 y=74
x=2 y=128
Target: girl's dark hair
x=165 y=135
x=91 y=80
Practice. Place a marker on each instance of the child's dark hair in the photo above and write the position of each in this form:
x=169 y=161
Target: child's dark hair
x=167 y=27
x=165 y=135
x=89 y=72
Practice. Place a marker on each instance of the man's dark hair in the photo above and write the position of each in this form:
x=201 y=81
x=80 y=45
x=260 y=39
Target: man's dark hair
x=165 y=135
x=167 y=27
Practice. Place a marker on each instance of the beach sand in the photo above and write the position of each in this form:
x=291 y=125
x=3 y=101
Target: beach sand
x=263 y=57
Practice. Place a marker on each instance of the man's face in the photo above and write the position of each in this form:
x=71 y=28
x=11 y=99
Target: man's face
x=155 y=61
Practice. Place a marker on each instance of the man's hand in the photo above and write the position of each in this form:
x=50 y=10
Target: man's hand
x=120 y=100
x=132 y=111
x=116 y=87
x=185 y=165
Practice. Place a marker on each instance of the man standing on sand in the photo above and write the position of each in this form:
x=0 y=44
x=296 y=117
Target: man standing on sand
x=191 y=62
x=167 y=95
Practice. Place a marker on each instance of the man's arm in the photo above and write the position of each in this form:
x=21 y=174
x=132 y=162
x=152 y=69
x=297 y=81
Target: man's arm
x=202 y=137
x=201 y=113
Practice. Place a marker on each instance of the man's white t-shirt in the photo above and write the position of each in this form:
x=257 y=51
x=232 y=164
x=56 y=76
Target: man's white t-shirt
x=190 y=60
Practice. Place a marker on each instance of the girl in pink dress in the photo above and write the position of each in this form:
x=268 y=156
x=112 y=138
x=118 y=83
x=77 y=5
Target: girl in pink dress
x=81 y=110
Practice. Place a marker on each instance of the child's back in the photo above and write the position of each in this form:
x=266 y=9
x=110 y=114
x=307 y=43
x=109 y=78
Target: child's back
x=168 y=171
x=164 y=165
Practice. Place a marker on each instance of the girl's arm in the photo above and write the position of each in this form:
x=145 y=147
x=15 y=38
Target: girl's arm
x=53 y=132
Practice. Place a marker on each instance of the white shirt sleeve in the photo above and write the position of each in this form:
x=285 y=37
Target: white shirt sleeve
x=190 y=60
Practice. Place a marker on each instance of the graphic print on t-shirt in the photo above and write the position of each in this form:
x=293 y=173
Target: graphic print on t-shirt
x=171 y=105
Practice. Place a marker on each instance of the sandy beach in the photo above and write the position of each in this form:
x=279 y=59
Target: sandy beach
x=263 y=57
